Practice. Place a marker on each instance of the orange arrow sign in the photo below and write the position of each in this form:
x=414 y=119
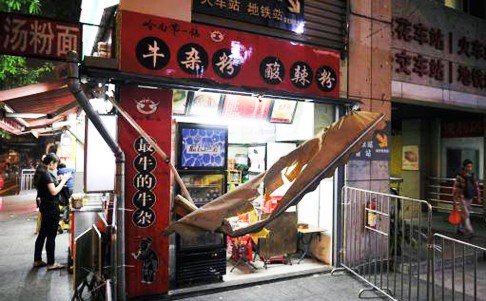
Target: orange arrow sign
x=382 y=140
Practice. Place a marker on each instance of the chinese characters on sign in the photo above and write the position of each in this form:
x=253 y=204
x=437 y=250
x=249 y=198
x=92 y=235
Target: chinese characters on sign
x=147 y=188
x=169 y=48
x=366 y=151
x=225 y=64
x=36 y=37
x=326 y=78
x=378 y=148
x=406 y=62
x=192 y=59
x=407 y=31
x=144 y=181
x=461 y=128
x=283 y=14
x=301 y=75
x=170 y=27
x=153 y=53
x=470 y=76
x=471 y=49
x=272 y=70
x=436 y=67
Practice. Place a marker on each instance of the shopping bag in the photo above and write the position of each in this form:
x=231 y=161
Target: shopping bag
x=455 y=217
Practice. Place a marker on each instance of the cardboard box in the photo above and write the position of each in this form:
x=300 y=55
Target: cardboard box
x=320 y=247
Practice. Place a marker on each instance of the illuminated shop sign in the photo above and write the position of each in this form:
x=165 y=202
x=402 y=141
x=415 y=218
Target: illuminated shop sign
x=170 y=48
x=282 y=14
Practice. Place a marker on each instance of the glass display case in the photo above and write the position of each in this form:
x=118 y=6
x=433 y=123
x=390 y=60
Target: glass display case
x=202 y=153
x=204 y=188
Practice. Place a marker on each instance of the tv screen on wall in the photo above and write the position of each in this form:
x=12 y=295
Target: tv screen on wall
x=202 y=147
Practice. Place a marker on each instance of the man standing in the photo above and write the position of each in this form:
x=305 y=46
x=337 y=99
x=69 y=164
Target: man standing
x=466 y=189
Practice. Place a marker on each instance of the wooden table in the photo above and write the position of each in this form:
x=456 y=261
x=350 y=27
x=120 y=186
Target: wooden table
x=312 y=231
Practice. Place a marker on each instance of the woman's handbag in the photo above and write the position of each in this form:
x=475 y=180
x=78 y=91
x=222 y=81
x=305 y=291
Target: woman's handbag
x=455 y=217
x=64 y=196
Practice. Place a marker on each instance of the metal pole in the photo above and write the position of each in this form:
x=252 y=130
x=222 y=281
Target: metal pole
x=337 y=205
x=75 y=87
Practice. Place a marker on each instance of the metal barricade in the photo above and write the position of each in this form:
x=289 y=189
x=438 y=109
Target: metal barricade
x=386 y=242
x=439 y=194
x=27 y=179
x=457 y=267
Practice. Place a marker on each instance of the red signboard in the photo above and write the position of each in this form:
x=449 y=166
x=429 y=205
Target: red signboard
x=236 y=106
x=147 y=187
x=170 y=48
x=32 y=36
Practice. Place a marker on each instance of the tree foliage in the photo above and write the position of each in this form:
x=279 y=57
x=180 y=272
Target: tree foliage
x=25 y=6
x=14 y=71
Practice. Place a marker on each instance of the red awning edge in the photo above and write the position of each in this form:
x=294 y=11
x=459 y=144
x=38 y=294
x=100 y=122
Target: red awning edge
x=9 y=128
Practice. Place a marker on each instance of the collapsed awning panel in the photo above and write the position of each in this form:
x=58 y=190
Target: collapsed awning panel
x=305 y=167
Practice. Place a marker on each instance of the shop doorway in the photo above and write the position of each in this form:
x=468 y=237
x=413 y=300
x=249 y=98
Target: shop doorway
x=224 y=140
x=454 y=158
x=442 y=139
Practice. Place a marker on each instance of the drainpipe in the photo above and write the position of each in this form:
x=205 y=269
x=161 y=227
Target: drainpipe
x=118 y=257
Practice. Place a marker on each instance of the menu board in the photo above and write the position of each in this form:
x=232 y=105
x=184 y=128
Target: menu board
x=283 y=111
x=180 y=99
x=246 y=107
x=205 y=104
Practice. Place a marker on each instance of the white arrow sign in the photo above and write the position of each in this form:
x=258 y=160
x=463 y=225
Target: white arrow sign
x=294 y=6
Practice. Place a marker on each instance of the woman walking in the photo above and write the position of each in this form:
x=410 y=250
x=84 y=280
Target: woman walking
x=48 y=188
x=465 y=190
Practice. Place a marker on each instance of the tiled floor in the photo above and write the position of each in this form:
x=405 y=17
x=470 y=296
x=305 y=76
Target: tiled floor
x=243 y=272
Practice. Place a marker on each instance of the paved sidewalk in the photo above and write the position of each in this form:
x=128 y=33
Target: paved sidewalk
x=440 y=224
x=18 y=280
x=321 y=287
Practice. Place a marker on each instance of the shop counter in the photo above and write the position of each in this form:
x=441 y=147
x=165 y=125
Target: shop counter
x=83 y=219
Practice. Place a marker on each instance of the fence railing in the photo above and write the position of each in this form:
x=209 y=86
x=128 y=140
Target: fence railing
x=387 y=242
x=439 y=194
x=457 y=265
x=27 y=179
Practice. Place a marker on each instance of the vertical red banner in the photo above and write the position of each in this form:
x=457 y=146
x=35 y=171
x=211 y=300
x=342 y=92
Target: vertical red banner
x=147 y=184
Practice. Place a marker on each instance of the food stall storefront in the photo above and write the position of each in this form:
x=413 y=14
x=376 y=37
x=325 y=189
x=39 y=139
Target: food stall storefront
x=160 y=59
x=196 y=57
